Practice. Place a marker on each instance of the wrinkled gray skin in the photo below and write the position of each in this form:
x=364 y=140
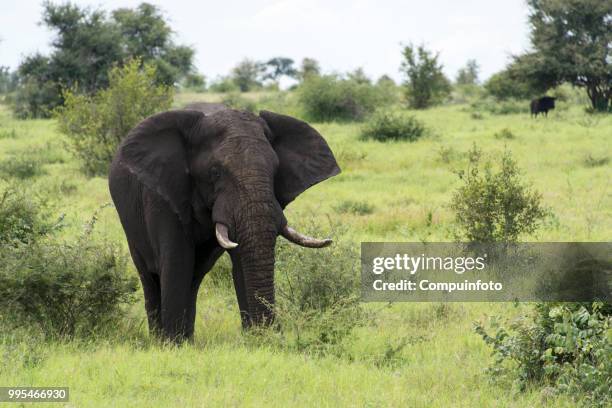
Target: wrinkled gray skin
x=179 y=176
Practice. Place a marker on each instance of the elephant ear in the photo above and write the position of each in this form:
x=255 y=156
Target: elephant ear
x=305 y=159
x=155 y=152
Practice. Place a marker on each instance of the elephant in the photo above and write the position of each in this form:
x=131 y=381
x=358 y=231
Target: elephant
x=188 y=186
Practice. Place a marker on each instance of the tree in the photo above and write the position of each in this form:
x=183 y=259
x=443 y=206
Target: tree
x=88 y=44
x=359 y=76
x=8 y=80
x=278 y=67
x=96 y=124
x=148 y=37
x=425 y=83
x=518 y=81
x=468 y=75
x=247 y=75
x=385 y=80
x=308 y=67
x=195 y=81
x=571 y=41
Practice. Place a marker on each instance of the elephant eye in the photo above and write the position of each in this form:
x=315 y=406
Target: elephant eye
x=215 y=173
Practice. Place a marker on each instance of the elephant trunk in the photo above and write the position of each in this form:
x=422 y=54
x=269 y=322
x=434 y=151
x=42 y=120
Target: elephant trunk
x=256 y=230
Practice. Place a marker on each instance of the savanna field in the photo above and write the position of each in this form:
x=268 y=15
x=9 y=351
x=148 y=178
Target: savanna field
x=405 y=354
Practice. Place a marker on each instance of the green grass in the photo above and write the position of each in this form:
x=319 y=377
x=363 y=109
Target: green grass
x=406 y=188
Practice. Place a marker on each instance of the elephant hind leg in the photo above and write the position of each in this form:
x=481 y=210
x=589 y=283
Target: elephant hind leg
x=152 y=292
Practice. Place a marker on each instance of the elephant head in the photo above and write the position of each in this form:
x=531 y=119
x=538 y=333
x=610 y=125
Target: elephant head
x=227 y=177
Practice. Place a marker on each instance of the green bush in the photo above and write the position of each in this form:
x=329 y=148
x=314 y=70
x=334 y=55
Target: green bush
x=566 y=346
x=448 y=154
x=21 y=166
x=317 y=296
x=281 y=102
x=500 y=107
x=223 y=84
x=235 y=101
x=194 y=82
x=65 y=289
x=29 y=163
x=35 y=99
x=591 y=160
x=477 y=115
x=354 y=207
x=493 y=205
x=329 y=97
x=505 y=133
x=95 y=125
x=386 y=125
x=8 y=134
x=512 y=83
x=22 y=218
x=466 y=93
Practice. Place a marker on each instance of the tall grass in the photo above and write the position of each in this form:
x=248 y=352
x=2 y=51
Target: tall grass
x=401 y=354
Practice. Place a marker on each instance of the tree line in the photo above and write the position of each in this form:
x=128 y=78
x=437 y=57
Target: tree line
x=570 y=44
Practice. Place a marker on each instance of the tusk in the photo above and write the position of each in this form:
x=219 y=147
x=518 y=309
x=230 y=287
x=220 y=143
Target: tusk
x=224 y=241
x=293 y=236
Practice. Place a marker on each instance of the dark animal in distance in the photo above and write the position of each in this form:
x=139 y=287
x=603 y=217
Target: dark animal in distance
x=189 y=186
x=542 y=105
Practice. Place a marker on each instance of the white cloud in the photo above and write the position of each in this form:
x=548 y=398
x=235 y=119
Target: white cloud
x=287 y=15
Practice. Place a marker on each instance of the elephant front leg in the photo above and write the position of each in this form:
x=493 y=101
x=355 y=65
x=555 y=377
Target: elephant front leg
x=177 y=297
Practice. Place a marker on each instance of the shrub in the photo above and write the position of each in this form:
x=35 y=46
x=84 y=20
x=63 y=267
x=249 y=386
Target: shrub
x=466 y=93
x=505 y=133
x=595 y=161
x=29 y=163
x=508 y=84
x=35 y=99
x=317 y=296
x=22 y=166
x=222 y=85
x=96 y=125
x=387 y=125
x=563 y=345
x=495 y=206
x=65 y=289
x=235 y=101
x=22 y=218
x=8 y=134
x=329 y=97
x=500 y=107
x=477 y=116
x=354 y=207
x=195 y=82
x=280 y=102
x=448 y=154
x=390 y=92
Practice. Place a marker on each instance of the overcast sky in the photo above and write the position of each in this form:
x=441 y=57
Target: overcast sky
x=341 y=34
